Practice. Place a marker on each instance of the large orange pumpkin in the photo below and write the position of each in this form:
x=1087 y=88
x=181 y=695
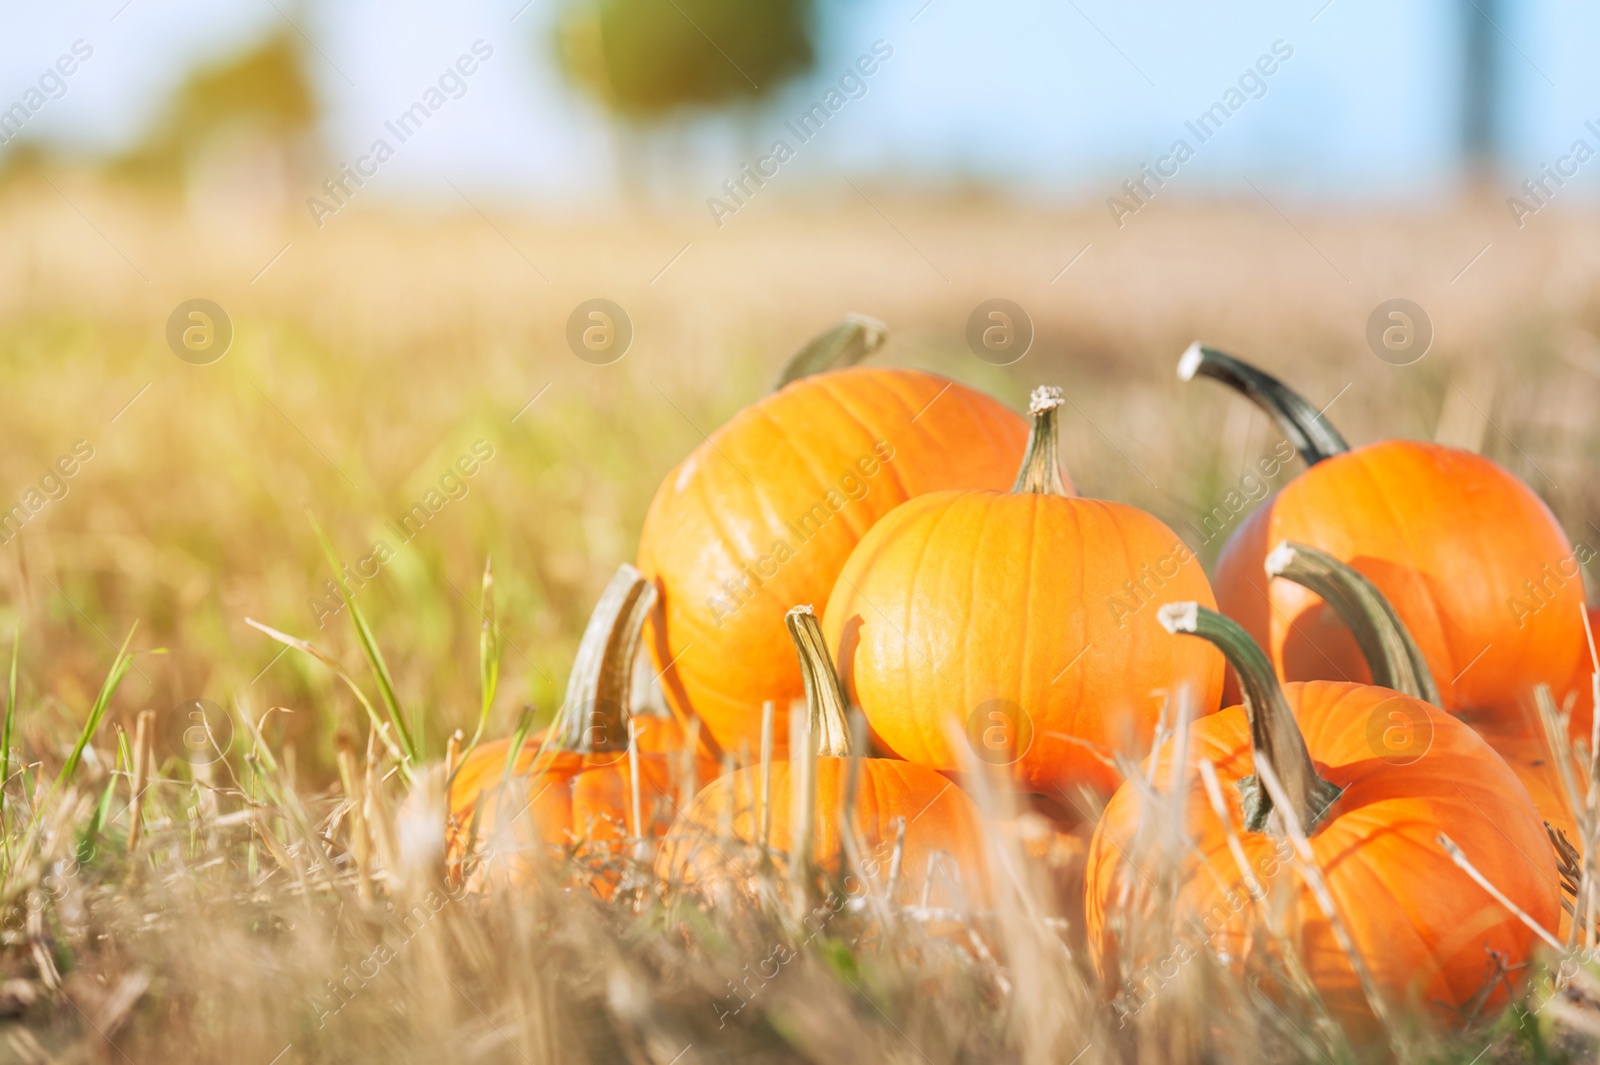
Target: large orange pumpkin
x=892 y=806
x=571 y=790
x=1428 y=934
x=1473 y=561
x=1025 y=620
x=765 y=512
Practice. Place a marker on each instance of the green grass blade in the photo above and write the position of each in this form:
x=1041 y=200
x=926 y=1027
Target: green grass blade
x=305 y=647
x=97 y=713
x=7 y=731
x=369 y=648
x=102 y=812
x=380 y=671
x=524 y=725
x=489 y=650
x=490 y=647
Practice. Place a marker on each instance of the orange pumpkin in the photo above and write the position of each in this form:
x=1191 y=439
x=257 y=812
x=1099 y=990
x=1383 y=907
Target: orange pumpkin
x=1427 y=933
x=1396 y=662
x=1475 y=564
x=1026 y=620
x=1520 y=739
x=765 y=512
x=571 y=790
x=1577 y=697
x=912 y=829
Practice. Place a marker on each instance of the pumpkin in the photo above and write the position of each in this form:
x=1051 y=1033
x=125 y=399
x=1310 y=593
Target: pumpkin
x=1520 y=739
x=916 y=836
x=1396 y=661
x=571 y=789
x=1427 y=933
x=1025 y=621
x=1474 y=563
x=1579 y=692
x=764 y=513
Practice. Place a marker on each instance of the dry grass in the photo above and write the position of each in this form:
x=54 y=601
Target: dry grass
x=375 y=352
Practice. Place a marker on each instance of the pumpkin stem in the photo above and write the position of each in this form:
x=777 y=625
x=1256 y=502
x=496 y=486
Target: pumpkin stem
x=1041 y=468
x=825 y=702
x=1392 y=654
x=594 y=716
x=1311 y=434
x=1274 y=734
x=844 y=345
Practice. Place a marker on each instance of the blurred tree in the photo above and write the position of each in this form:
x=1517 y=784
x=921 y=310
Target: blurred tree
x=646 y=58
x=1480 y=95
x=262 y=95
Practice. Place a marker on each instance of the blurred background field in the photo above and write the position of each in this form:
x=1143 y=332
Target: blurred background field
x=374 y=353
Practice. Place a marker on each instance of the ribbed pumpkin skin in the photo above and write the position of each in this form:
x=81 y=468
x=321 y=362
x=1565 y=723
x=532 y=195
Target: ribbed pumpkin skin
x=939 y=817
x=1449 y=537
x=1421 y=925
x=573 y=802
x=714 y=523
x=959 y=598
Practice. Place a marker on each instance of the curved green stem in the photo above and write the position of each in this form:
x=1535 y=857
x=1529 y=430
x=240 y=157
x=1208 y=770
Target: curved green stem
x=1311 y=434
x=594 y=715
x=1274 y=734
x=825 y=702
x=844 y=345
x=1392 y=654
x=1041 y=465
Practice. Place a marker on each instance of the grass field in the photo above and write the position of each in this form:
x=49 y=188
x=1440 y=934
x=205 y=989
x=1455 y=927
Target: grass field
x=369 y=356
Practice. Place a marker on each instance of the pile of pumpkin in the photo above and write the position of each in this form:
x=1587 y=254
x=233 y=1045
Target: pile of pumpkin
x=888 y=540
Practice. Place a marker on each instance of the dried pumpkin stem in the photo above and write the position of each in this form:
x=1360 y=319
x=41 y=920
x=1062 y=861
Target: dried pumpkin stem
x=1392 y=654
x=825 y=702
x=594 y=716
x=1041 y=467
x=1274 y=735
x=1311 y=434
x=844 y=345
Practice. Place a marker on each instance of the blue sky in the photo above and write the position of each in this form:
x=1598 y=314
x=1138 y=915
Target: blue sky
x=1049 y=98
